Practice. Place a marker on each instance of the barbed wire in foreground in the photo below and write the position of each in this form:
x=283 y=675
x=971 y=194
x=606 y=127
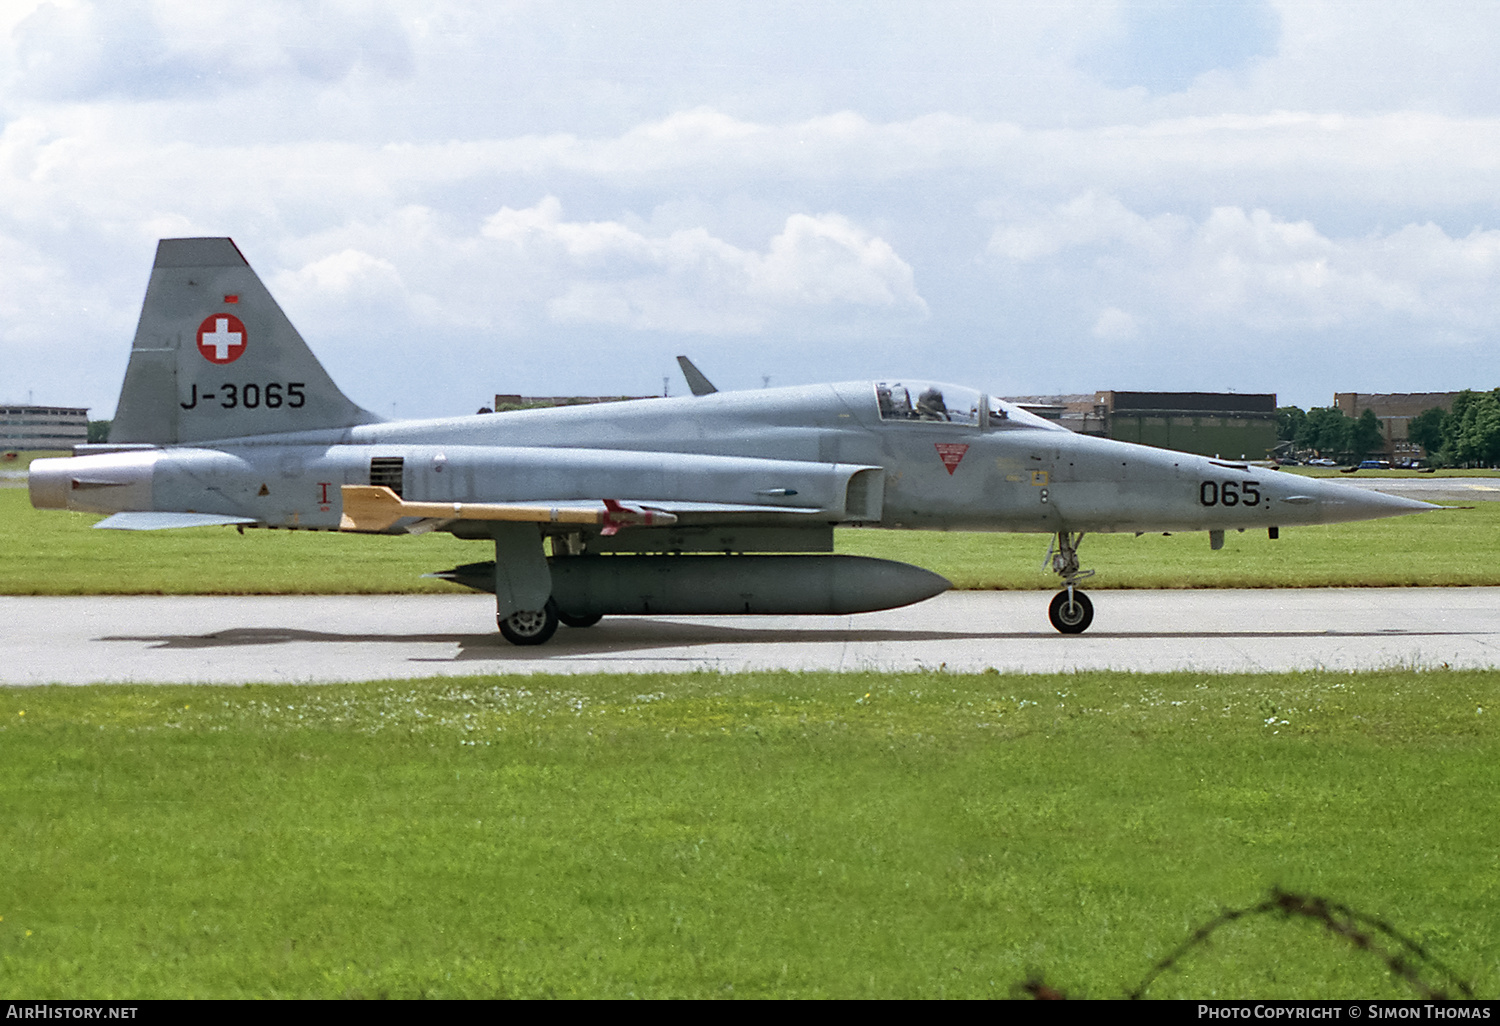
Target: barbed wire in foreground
x=1359 y=929
x=1403 y=956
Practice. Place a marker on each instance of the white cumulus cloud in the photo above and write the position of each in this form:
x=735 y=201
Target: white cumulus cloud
x=688 y=280
x=1251 y=268
x=148 y=49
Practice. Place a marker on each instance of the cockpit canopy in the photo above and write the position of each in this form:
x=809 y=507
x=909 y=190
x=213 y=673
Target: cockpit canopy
x=936 y=403
x=926 y=400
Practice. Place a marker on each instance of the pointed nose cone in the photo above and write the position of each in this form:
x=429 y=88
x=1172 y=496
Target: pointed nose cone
x=1342 y=502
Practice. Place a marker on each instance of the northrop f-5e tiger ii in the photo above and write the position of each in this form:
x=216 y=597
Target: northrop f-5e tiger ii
x=717 y=502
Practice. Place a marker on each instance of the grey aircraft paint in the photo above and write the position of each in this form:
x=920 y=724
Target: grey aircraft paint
x=226 y=417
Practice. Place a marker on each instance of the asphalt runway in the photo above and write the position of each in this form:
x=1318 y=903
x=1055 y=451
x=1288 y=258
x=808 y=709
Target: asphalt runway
x=1441 y=490
x=188 y=639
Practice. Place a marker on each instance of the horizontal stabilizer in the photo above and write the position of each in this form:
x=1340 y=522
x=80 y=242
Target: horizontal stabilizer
x=167 y=521
x=376 y=508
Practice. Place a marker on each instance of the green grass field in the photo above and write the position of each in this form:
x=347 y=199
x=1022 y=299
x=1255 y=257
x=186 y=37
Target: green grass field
x=1458 y=547
x=779 y=835
x=51 y=552
x=57 y=553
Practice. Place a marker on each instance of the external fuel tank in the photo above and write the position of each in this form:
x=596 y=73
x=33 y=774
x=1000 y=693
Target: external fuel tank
x=584 y=586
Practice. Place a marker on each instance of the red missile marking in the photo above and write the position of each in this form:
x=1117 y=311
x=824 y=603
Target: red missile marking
x=618 y=515
x=952 y=454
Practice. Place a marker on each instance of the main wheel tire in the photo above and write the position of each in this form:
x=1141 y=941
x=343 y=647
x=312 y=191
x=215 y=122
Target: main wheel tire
x=1071 y=617
x=529 y=626
x=569 y=620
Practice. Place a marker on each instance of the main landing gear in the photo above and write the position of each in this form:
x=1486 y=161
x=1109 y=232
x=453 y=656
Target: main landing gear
x=528 y=626
x=534 y=627
x=1070 y=611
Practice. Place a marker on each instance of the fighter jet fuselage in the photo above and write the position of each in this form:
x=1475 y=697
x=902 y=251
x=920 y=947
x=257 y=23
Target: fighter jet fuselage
x=226 y=417
x=776 y=453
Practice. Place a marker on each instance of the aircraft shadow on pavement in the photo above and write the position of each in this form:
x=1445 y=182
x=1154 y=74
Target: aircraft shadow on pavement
x=620 y=636
x=237 y=637
x=626 y=635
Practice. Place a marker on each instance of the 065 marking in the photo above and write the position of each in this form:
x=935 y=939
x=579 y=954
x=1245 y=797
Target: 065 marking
x=1230 y=493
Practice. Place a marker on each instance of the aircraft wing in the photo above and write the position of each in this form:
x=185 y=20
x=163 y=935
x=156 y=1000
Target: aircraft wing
x=609 y=489
x=376 y=508
x=167 y=521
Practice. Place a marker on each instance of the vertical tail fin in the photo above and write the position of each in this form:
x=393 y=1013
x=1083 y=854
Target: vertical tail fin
x=214 y=357
x=697 y=383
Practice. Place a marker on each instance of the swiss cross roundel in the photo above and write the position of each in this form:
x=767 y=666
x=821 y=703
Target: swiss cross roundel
x=222 y=338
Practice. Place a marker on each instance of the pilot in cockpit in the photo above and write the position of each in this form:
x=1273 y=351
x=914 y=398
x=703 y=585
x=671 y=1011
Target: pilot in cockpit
x=930 y=405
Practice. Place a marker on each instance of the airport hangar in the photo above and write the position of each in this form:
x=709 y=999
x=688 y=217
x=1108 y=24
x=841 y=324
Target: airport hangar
x=1226 y=425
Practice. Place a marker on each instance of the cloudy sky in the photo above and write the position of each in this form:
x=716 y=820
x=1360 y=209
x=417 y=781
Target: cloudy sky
x=457 y=199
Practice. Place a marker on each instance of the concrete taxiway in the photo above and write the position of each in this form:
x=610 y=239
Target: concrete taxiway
x=1441 y=490
x=320 y=639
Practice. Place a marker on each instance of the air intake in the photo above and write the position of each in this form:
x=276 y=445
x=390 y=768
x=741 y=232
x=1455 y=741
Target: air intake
x=387 y=471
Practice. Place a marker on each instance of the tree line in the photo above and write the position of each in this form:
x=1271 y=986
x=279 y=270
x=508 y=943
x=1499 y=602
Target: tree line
x=1328 y=431
x=1467 y=435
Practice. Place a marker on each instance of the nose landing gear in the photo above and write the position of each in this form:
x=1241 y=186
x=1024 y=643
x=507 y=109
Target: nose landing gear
x=1070 y=611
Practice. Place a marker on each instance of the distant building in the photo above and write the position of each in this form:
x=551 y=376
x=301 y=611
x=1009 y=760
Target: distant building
x=1232 y=425
x=1394 y=410
x=43 y=427
x=1080 y=413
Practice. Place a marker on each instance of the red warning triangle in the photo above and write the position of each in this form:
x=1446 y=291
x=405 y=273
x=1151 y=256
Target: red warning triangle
x=952 y=454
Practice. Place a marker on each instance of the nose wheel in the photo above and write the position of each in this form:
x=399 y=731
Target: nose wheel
x=1071 y=612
